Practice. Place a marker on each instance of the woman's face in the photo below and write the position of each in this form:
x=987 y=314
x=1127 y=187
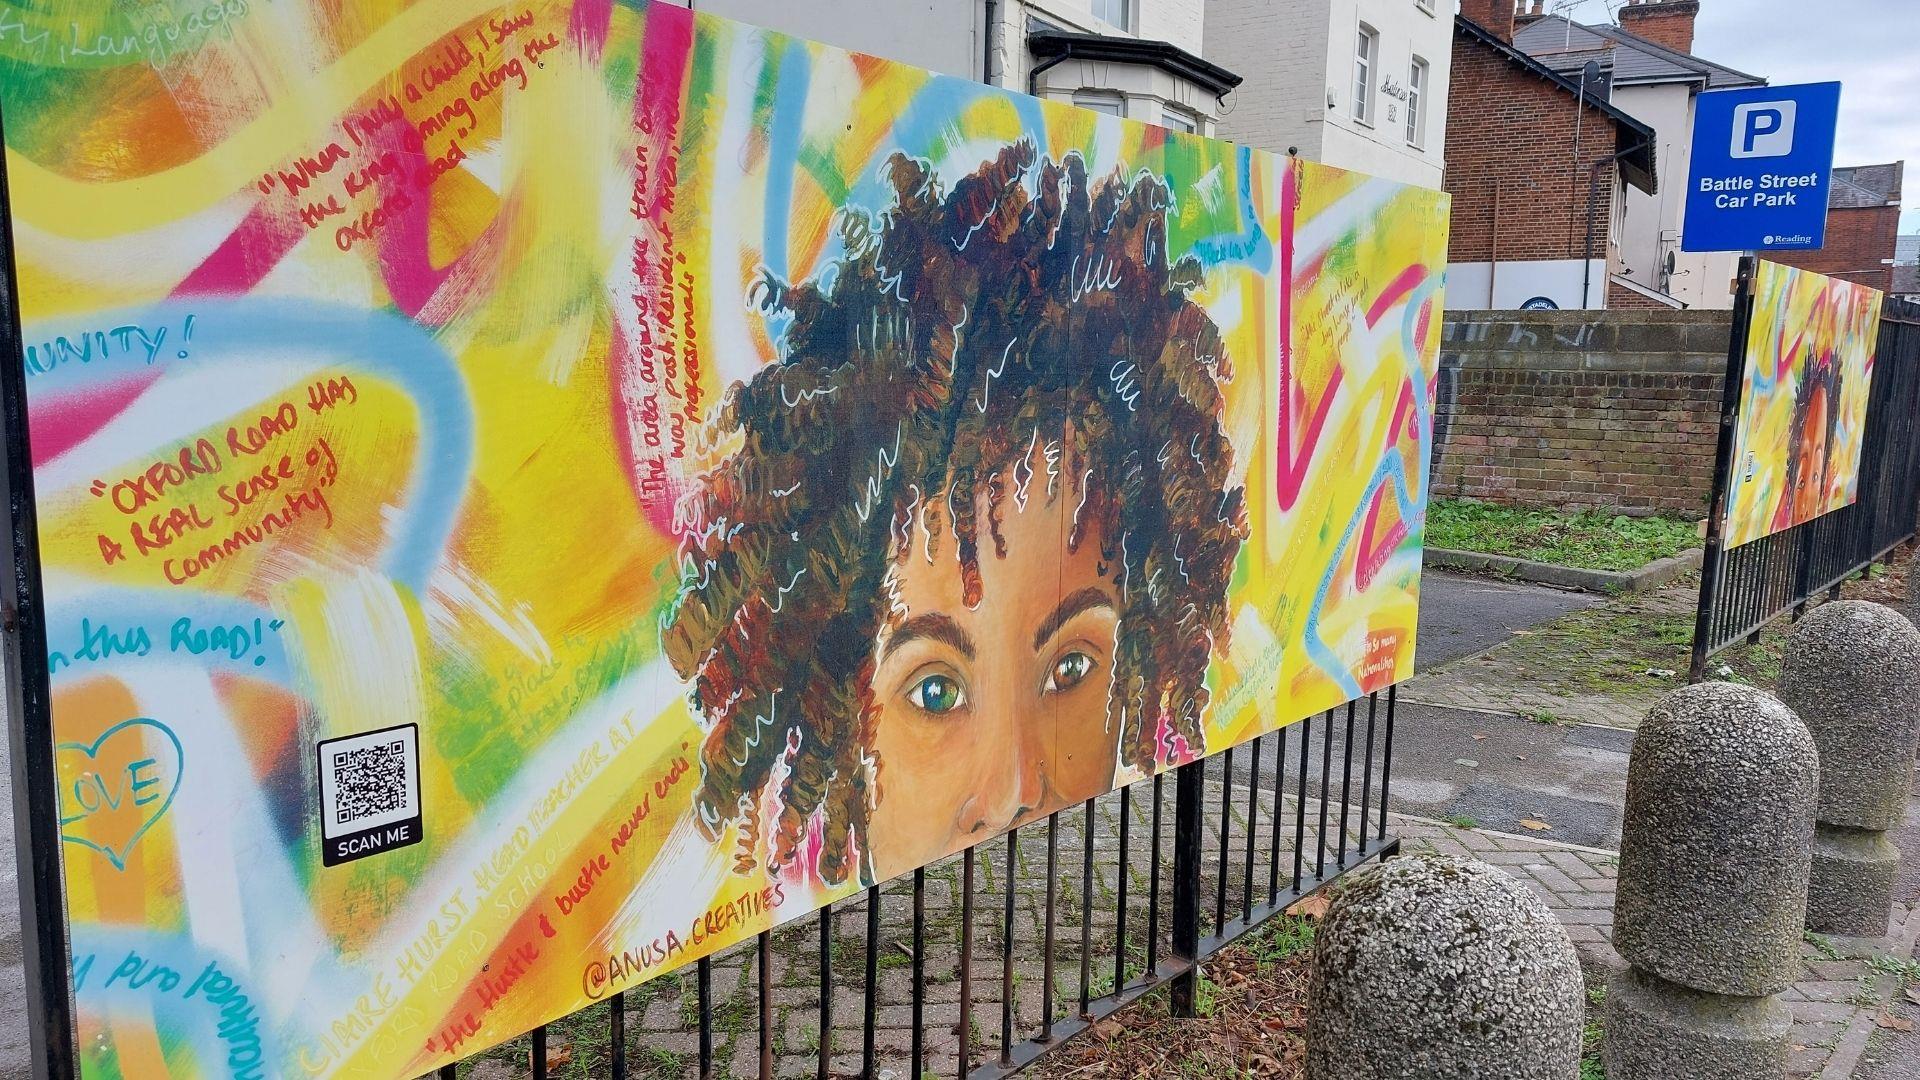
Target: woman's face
x=990 y=716
x=1811 y=492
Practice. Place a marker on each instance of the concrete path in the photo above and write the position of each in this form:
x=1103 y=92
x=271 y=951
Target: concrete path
x=1510 y=774
x=1494 y=768
x=1461 y=615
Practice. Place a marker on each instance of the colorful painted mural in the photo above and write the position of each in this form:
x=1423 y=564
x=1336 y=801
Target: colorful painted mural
x=1803 y=401
x=532 y=495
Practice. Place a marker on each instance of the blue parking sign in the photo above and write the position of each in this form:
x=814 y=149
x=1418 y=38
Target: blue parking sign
x=1762 y=163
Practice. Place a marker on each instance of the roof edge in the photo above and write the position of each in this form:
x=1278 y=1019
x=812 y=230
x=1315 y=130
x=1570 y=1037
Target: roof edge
x=1164 y=55
x=1636 y=162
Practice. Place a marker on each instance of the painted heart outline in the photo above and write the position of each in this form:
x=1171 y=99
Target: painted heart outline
x=92 y=752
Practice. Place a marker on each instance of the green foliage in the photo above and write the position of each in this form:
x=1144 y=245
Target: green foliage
x=1206 y=995
x=1590 y=1059
x=1280 y=938
x=1823 y=946
x=1462 y=821
x=1588 y=540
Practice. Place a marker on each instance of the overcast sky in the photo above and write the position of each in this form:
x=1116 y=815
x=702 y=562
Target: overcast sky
x=1872 y=46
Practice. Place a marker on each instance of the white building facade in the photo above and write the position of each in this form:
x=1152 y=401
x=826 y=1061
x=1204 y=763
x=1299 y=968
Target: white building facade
x=1360 y=84
x=1135 y=58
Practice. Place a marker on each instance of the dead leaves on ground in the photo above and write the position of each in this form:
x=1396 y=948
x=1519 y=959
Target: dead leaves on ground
x=1256 y=1027
x=1311 y=907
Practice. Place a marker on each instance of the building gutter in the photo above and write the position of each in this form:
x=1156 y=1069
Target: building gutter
x=1055 y=46
x=1593 y=196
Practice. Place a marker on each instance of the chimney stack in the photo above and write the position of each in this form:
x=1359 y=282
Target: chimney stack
x=1533 y=14
x=1494 y=16
x=1663 y=22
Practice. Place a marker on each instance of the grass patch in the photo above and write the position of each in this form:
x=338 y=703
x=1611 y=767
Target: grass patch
x=1591 y=1067
x=1588 y=540
x=1280 y=940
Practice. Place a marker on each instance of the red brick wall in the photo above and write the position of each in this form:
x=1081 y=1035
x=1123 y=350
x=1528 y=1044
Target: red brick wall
x=1617 y=411
x=1621 y=298
x=1514 y=130
x=1858 y=238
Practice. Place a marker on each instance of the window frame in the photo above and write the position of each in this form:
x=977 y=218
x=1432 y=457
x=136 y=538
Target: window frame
x=1174 y=118
x=1104 y=102
x=1102 y=7
x=1419 y=72
x=1366 y=64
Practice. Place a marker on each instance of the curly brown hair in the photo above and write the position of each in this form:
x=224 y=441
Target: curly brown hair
x=1823 y=373
x=960 y=330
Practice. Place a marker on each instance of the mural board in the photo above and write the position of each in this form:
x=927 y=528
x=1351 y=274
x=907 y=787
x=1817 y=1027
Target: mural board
x=1803 y=401
x=531 y=495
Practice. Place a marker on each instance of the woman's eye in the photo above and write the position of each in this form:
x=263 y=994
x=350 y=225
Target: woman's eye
x=936 y=694
x=1069 y=671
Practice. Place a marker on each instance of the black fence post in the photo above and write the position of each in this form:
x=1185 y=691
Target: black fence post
x=29 y=714
x=1722 y=467
x=1189 y=779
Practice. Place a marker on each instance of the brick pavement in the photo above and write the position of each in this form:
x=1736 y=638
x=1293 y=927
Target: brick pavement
x=1846 y=987
x=1846 y=983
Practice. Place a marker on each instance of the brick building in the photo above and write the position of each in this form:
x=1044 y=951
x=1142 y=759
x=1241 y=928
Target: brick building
x=1647 y=69
x=1863 y=227
x=1538 y=168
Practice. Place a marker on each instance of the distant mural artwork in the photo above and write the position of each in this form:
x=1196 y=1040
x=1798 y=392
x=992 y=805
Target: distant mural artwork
x=1803 y=401
x=532 y=495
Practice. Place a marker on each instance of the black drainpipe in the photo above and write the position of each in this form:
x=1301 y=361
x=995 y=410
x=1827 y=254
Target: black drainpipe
x=1593 y=196
x=986 y=36
x=1033 y=75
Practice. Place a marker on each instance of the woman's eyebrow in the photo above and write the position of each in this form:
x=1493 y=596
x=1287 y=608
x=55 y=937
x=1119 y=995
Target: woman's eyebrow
x=1085 y=600
x=933 y=627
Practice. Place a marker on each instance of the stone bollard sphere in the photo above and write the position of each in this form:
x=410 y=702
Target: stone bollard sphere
x=1431 y=966
x=1852 y=673
x=1717 y=842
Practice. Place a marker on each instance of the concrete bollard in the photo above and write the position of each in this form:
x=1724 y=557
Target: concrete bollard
x=1436 y=966
x=1853 y=674
x=1713 y=886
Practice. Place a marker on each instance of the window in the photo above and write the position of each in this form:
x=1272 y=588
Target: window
x=1111 y=104
x=1180 y=121
x=1364 y=60
x=1116 y=12
x=1417 y=103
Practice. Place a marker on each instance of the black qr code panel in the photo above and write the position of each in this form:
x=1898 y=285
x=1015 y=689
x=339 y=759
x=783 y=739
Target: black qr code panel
x=368 y=781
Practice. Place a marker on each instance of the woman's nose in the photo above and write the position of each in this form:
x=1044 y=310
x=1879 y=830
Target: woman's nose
x=1017 y=783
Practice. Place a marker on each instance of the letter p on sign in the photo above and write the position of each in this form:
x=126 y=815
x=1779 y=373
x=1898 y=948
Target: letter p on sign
x=1763 y=129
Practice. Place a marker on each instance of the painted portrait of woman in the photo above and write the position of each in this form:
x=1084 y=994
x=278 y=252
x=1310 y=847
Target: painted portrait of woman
x=1816 y=411
x=967 y=559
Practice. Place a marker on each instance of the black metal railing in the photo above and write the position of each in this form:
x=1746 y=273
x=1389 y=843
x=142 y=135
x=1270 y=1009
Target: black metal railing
x=1749 y=586
x=1164 y=881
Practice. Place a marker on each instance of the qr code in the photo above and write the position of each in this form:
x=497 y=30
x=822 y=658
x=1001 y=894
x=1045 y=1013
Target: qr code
x=369 y=781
